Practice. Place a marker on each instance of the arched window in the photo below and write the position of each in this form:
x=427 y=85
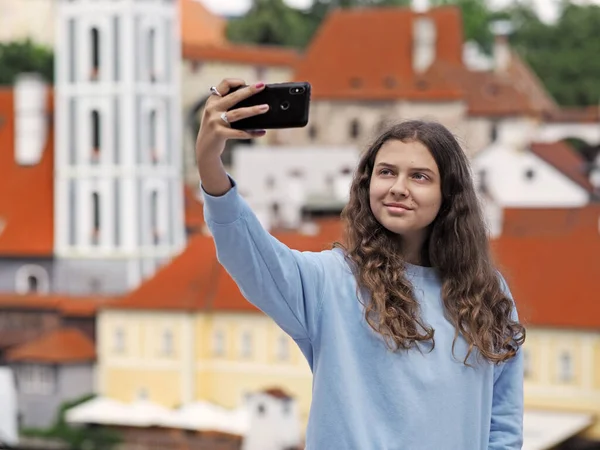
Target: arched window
x=31 y=279
x=32 y=283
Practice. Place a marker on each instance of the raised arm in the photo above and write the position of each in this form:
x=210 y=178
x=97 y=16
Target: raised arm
x=286 y=284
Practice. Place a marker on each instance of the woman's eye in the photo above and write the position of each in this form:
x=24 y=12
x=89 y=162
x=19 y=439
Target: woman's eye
x=385 y=172
x=420 y=176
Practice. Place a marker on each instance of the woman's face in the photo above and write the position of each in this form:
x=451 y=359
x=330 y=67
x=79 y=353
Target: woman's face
x=405 y=189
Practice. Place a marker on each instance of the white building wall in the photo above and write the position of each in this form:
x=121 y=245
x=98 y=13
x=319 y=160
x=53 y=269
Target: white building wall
x=118 y=134
x=520 y=179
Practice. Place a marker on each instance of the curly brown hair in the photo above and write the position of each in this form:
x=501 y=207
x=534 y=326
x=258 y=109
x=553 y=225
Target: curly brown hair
x=457 y=247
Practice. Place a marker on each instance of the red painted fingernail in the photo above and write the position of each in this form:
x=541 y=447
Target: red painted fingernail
x=259 y=85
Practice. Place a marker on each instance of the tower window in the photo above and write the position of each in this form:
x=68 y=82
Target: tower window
x=152 y=55
x=95 y=218
x=154 y=217
x=95 y=135
x=152 y=129
x=95 y=42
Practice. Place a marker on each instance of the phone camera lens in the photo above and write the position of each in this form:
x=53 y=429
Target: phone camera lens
x=297 y=90
x=285 y=106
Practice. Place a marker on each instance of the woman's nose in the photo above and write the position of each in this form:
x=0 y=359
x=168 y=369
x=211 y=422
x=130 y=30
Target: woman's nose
x=399 y=188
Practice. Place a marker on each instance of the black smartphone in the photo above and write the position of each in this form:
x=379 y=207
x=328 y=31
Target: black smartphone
x=289 y=105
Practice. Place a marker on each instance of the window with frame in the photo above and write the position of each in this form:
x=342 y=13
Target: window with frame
x=565 y=367
x=119 y=340
x=219 y=343
x=167 y=343
x=246 y=345
x=526 y=363
x=37 y=379
x=283 y=350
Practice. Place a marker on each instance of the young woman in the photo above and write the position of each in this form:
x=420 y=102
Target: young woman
x=410 y=331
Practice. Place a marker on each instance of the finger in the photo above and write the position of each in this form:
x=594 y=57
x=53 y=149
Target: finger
x=228 y=83
x=230 y=133
x=242 y=113
x=241 y=94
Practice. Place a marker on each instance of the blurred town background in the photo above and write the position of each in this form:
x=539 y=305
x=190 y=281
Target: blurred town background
x=118 y=327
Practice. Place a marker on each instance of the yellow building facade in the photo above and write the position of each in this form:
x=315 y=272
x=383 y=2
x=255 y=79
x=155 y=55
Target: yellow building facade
x=174 y=358
x=562 y=372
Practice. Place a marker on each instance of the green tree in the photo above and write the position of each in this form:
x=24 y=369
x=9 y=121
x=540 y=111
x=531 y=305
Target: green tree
x=269 y=22
x=476 y=17
x=564 y=54
x=274 y=22
x=25 y=56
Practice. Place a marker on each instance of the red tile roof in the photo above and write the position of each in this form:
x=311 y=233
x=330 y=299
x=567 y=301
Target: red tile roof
x=590 y=114
x=204 y=38
x=195 y=279
x=565 y=159
x=258 y=55
x=551 y=259
x=65 y=345
x=199 y=26
x=65 y=305
x=26 y=192
x=364 y=53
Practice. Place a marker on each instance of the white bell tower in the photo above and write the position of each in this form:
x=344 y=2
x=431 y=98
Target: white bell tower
x=118 y=156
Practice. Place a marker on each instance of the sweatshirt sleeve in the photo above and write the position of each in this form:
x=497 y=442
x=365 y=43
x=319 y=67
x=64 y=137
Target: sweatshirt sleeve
x=506 y=432
x=285 y=284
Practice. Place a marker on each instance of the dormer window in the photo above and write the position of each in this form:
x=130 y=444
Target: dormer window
x=529 y=174
x=355 y=83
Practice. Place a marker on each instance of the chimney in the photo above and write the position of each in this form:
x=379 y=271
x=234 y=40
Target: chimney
x=420 y=6
x=424 y=43
x=501 y=29
x=31 y=118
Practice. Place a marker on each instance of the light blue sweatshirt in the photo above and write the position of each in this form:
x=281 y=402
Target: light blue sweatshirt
x=366 y=397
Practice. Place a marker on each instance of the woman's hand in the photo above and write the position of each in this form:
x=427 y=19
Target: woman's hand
x=214 y=129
